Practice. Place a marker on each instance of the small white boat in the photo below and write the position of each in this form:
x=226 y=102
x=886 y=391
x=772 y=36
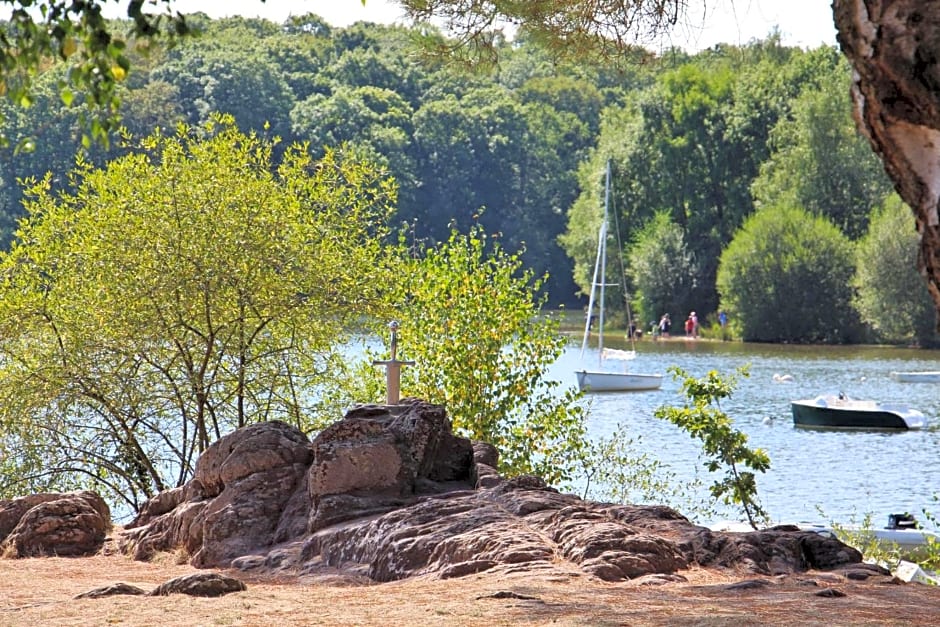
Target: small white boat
x=902 y=533
x=604 y=378
x=926 y=376
x=841 y=412
x=595 y=381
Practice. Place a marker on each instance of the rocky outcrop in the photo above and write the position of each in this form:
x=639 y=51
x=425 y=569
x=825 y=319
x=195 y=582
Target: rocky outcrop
x=112 y=590
x=784 y=549
x=389 y=492
x=12 y=511
x=242 y=487
x=522 y=524
x=198 y=585
x=63 y=524
x=267 y=483
x=379 y=458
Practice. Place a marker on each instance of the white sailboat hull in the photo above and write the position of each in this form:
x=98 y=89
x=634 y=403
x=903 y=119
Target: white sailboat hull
x=595 y=381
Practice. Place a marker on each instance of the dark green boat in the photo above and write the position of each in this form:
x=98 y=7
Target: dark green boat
x=842 y=412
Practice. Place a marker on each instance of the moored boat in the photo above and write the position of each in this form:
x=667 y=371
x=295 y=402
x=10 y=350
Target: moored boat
x=604 y=378
x=841 y=412
x=925 y=376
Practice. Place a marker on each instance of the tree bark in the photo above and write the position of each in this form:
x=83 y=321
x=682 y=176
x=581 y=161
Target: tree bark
x=894 y=49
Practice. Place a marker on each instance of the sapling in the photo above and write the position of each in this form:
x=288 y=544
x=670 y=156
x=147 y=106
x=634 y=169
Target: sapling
x=724 y=446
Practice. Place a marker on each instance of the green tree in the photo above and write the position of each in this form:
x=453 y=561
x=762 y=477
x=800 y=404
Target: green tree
x=447 y=138
x=96 y=52
x=154 y=105
x=566 y=94
x=821 y=162
x=183 y=291
x=471 y=320
x=45 y=137
x=892 y=297
x=229 y=79
x=300 y=56
x=487 y=158
x=586 y=212
x=680 y=162
x=727 y=447
x=786 y=277
x=556 y=142
x=662 y=271
x=387 y=66
x=770 y=79
x=674 y=153
x=369 y=116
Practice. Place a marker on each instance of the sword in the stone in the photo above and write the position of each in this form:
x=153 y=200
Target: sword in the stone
x=393 y=368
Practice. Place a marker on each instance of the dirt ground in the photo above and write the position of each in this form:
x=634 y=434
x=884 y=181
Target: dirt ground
x=41 y=592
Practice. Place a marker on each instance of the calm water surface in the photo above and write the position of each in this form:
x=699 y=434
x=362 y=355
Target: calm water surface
x=815 y=475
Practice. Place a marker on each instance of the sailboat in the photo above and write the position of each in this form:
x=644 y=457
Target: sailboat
x=605 y=379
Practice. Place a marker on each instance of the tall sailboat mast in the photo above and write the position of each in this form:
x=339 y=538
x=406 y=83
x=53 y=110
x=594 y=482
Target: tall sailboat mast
x=600 y=271
x=603 y=255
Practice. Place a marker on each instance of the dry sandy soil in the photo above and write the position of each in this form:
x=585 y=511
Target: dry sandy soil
x=41 y=591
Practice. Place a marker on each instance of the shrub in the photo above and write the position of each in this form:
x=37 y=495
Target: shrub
x=786 y=277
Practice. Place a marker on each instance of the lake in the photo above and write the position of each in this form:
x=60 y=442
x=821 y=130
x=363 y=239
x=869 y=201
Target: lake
x=814 y=475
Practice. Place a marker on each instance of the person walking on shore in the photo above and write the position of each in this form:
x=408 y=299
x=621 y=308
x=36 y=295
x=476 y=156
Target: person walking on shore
x=664 y=324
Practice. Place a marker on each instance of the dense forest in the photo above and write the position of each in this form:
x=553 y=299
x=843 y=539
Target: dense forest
x=739 y=180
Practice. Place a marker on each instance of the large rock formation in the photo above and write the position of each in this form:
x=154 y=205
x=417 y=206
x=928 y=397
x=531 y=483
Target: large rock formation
x=390 y=492
x=52 y=523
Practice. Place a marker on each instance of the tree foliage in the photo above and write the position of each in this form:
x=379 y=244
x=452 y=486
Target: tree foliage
x=786 y=277
x=819 y=160
x=680 y=156
x=688 y=146
x=472 y=323
x=232 y=80
x=892 y=297
x=575 y=29
x=182 y=291
x=516 y=147
x=662 y=271
x=703 y=419
x=95 y=52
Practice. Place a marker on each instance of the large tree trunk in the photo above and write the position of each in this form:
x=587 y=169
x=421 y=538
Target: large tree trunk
x=894 y=48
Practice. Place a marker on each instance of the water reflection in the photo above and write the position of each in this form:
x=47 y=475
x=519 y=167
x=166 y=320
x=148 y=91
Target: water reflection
x=845 y=474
